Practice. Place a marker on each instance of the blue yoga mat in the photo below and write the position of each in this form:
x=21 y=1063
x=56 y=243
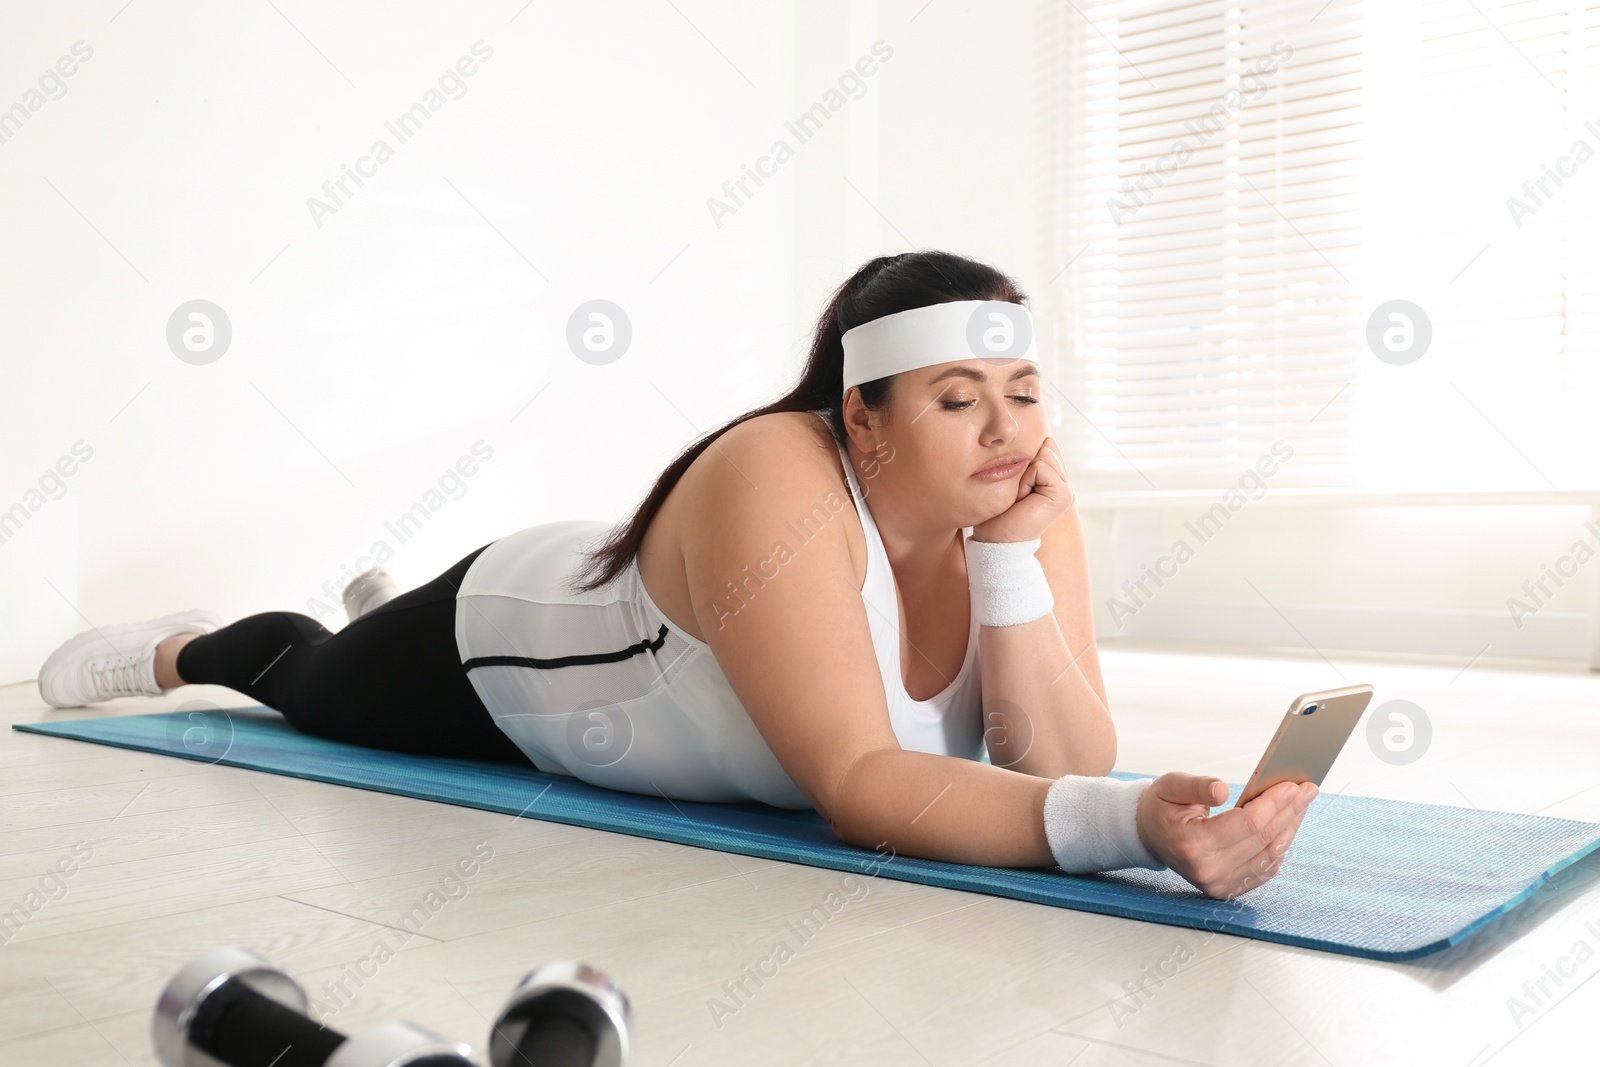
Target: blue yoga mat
x=1380 y=879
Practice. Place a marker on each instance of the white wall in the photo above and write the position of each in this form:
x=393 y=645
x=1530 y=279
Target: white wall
x=369 y=354
x=372 y=351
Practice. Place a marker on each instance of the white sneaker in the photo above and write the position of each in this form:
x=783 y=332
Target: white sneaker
x=371 y=588
x=114 y=661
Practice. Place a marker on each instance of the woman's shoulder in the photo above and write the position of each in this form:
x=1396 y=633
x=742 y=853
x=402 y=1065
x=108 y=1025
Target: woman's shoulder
x=792 y=448
x=793 y=426
x=792 y=460
x=744 y=493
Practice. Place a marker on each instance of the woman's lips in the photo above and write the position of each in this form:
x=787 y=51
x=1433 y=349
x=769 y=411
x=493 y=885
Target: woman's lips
x=1009 y=468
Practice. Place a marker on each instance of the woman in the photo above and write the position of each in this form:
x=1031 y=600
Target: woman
x=757 y=631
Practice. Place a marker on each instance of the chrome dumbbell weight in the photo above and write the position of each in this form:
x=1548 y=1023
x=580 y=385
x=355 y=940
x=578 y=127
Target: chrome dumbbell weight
x=563 y=1014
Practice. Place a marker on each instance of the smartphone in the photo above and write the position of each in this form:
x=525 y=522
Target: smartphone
x=1308 y=739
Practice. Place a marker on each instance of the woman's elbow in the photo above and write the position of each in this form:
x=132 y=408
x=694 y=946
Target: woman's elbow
x=844 y=829
x=832 y=814
x=841 y=805
x=1107 y=757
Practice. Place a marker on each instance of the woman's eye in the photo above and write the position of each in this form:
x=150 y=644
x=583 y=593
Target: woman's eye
x=962 y=405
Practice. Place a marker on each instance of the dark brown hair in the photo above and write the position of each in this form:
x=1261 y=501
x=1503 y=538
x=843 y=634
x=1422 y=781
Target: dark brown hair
x=882 y=286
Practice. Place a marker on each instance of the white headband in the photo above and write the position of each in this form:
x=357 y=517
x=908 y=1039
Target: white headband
x=938 y=333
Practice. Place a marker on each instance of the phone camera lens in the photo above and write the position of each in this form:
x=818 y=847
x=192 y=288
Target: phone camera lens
x=1309 y=709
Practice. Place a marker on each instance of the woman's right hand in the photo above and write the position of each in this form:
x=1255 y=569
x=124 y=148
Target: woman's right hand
x=1226 y=854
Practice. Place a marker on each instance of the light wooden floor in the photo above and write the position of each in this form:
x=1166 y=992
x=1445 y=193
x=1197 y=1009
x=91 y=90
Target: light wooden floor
x=186 y=856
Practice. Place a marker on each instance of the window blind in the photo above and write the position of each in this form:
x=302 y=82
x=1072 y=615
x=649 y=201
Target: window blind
x=1218 y=255
x=1210 y=153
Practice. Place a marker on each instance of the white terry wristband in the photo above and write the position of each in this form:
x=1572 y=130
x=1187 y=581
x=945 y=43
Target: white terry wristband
x=1092 y=824
x=1008 y=584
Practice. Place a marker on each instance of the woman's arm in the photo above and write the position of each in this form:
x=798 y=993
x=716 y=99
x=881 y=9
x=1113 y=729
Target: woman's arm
x=774 y=589
x=786 y=622
x=1044 y=701
x=943 y=808
x=960 y=811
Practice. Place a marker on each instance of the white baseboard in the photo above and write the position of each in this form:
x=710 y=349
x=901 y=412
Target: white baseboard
x=1425 y=631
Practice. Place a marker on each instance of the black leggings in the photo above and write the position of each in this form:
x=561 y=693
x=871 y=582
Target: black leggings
x=391 y=679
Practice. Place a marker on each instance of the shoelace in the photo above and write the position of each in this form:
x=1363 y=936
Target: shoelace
x=117 y=676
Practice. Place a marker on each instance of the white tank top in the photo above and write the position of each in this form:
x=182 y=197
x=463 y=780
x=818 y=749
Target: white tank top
x=602 y=686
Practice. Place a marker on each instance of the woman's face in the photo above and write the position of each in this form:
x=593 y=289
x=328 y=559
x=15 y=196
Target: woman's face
x=946 y=423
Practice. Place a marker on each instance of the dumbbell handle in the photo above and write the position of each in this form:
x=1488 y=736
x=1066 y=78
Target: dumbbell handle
x=555 y=1041
x=242 y=1028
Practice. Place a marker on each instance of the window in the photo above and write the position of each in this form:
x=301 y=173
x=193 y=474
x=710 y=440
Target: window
x=1238 y=187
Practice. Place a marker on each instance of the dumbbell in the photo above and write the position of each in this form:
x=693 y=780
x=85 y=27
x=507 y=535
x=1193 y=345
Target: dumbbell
x=230 y=1007
x=563 y=1014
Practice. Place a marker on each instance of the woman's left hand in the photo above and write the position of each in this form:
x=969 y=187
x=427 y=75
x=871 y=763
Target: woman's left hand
x=1043 y=496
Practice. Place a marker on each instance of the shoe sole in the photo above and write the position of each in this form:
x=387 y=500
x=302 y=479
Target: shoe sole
x=105 y=634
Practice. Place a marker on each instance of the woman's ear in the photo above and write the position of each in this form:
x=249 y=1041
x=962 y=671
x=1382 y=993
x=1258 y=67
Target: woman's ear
x=857 y=420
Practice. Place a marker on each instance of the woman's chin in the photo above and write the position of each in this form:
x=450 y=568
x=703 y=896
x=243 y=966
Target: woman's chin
x=979 y=516
x=994 y=498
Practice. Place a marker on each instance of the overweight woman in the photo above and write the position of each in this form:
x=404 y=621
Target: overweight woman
x=839 y=601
